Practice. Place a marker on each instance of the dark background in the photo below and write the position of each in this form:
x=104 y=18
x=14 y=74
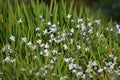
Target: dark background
x=110 y=8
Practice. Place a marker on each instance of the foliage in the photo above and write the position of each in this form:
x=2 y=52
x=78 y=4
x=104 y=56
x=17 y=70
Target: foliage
x=53 y=42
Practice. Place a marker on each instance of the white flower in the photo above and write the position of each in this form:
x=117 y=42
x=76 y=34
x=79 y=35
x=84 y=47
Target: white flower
x=7 y=47
x=12 y=60
x=54 y=58
x=65 y=46
x=88 y=70
x=37 y=29
x=20 y=21
x=54 y=51
x=0 y=78
x=46 y=52
x=118 y=31
x=92 y=63
x=39 y=41
x=45 y=72
x=100 y=70
x=79 y=73
x=74 y=71
x=61 y=78
x=37 y=74
x=83 y=27
x=72 y=30
x=90 y=31
x=45 y=31
x=101 y=35
x=72 y=20
x=29 y=44
x=53 y=29
x=97 y=21
x=78 y=46
x=10 y=50
x=38 y=35
x=58 y=23
x=50 y=40
x=111 y=29
x=41 y=53
x=46 y=46
x=57 y=41
x=83 y=76
x=71 y=60
x=40 y=16
x=66 y=59
x=105 y=68
x=89 y=24
x=31 y=71
x=88 y=19
x=34 y=47
x=90 y=76
x=71 y=66
x=12 y=38
x=4 y=49
x=51 y=61
x=54 y=25
x=117 y=72
x=35 y=57
x=107 y=28
x=71 y=41
x=112 y=66
x=7 y=59
x=117 y=26
x=77 y=26
x=95 y=67
x=23 y=69
x=97 y=33
x=24 y=40
x=115 y=59
x=84 y=33
x=69 y=16
x=51 y=36
x=49 y=23
x=87 y=49
x=63 y=36
x=80 y=20
x=42 y=45
x=111 y=55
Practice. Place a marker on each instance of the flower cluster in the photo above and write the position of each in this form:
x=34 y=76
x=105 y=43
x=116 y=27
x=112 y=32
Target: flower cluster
x=54 y=48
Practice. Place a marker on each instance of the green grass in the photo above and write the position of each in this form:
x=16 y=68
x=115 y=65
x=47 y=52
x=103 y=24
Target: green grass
x=39 y=42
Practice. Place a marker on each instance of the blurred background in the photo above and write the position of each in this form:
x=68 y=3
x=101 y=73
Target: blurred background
x=110 y=8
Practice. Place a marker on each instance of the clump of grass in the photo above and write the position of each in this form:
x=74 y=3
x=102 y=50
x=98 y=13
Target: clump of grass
x=54 y=42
